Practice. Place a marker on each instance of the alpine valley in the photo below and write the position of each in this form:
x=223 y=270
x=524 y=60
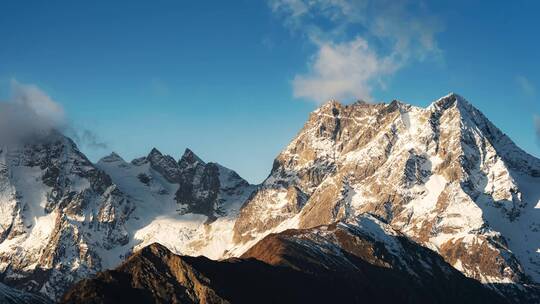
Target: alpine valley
x=384 y=203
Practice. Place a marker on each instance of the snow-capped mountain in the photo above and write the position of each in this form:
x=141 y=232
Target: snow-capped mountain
x=63 y=218
x=188 y=205
x=443 y=176
x=58 y=215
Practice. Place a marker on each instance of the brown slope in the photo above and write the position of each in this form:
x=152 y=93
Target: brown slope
x=369 y=268
x=340 y=263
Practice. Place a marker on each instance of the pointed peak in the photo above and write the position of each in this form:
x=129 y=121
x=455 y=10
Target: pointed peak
x=113 y=157
x=450 y=100
x=154 y=152
x=189 y=157
x=154 y=249
x=396 y=105
x=451 y=95
x=332 y=103
x=164 y=164
x=331 y=107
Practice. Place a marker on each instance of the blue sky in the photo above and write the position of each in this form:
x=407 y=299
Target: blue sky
x=235 y=80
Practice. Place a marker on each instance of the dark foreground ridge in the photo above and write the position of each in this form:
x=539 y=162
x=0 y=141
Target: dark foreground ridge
x=9 y=295
x=339 y=263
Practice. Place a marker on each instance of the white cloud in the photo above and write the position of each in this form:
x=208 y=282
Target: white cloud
x=34 y=99
x=29 y=112
x=525 y=85
x=293 y=7
x=342 y=71
x=361 y=43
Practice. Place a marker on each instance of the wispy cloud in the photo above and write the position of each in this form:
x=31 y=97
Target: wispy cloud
x=86 y=139
x=29 y=112
x=342 y=71
x=360 y=44
x=526 y=86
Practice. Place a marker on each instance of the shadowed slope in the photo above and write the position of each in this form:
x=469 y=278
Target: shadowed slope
x=341 y=263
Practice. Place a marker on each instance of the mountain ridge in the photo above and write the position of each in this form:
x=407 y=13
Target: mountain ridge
x=444 y=176
x=346 y=151
x=320 y=265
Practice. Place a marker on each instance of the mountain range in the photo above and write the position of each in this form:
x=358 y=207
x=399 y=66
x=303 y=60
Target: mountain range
x=369 y=202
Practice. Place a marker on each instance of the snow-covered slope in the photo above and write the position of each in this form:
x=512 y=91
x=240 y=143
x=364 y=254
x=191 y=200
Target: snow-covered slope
x=363 y=261
x=58 y=215
x=63 y=218
x=191 y=208
x=444 y=176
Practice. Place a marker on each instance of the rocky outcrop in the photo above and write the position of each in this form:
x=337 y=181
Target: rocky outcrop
x=58 y=212
x=151 y=275
x=202 y=188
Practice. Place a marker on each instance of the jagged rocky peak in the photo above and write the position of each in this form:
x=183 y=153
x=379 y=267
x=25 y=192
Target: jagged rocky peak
x=450 y=100
x=444 y=175
x=167 y=166
x=460 y=103
x=468 y=115
x=198 y=187
x=164 y=164
x=59 y=212
x=207 y=188
x=41 y=150
x=475 y=130
x=111 y=158
x=189 y=159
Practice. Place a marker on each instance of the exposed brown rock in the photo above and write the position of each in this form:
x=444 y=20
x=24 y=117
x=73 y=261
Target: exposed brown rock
x=336 y=263
x=378 y=158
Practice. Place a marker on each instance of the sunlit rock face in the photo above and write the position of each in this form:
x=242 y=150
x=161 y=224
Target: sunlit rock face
x=444 y=175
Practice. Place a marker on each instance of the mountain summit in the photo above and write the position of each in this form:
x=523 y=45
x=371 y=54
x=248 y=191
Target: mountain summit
x=442 y=176
x=445 y=176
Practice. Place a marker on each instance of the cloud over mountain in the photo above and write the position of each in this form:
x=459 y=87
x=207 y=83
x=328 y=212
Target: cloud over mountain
x=361 y=43
x=28 y=112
